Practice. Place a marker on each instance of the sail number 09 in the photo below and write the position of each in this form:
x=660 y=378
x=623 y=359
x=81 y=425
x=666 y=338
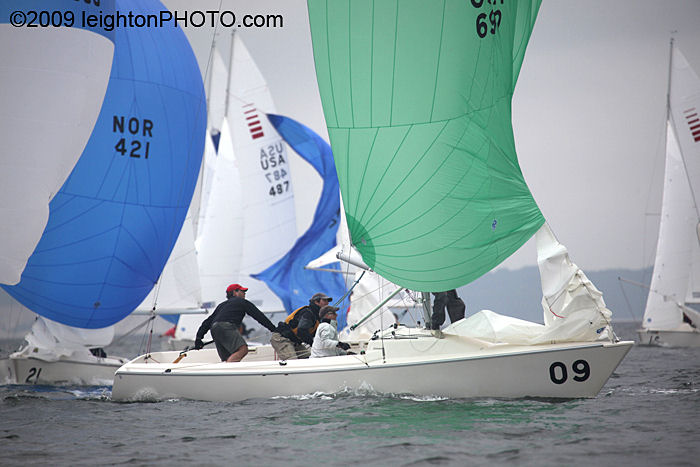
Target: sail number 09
x=559 y=374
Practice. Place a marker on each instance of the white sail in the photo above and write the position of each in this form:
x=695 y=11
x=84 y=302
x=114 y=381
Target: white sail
x=676 y=274
x=220 y=244
x=216 y=104
x=671 y=275
x=267 y=199
x=50 y=341
x=246 y=219
x=54 y=81
x=574 y=310
x=178 y=287
x=218 y=82
x=693 y=291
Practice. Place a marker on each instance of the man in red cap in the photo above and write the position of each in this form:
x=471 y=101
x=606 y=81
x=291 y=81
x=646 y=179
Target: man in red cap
x=225 y=322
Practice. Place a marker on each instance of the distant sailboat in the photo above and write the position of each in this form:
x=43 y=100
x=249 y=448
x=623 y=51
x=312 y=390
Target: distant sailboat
x=246 y=218
x=53 y=82
x=668 y=319
x=417 y=102
x=115 y=220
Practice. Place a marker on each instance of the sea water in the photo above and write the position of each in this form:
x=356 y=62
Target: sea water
x=647 y=414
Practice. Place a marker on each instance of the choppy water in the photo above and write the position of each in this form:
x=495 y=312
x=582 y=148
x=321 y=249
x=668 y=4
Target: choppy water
x=647 y=414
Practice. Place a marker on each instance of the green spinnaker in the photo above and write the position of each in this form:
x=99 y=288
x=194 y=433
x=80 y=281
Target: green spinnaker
x=417 y=99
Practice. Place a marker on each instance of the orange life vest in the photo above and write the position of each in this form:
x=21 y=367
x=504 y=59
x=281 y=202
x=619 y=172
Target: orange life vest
x=294 y=323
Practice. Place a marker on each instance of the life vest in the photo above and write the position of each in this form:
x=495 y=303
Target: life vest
x=294 y=323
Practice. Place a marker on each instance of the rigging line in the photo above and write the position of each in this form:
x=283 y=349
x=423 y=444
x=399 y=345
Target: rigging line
x=128 y=333
x=350 y=289
x=679 y=304
x=624 y=294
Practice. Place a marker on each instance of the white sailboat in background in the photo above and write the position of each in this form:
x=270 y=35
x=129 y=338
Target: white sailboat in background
x=420 y=127
x=246 y=217
x=668 y=318
x=106 y=242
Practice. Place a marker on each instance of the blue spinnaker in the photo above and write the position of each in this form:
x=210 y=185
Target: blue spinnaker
x=115 y=221
x=287 y=278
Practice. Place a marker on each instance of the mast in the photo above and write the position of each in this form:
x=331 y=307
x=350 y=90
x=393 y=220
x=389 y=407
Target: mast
x=668 y=83
x=228 y=78
x=427 y=312
x=210 y=73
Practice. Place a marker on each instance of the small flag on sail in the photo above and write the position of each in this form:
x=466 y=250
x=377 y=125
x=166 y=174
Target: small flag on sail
x=253 y=121
x=691 y=117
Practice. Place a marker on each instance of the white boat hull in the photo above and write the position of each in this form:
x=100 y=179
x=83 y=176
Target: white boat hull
x=34 y=371
x=669 y=338
x=455 y=367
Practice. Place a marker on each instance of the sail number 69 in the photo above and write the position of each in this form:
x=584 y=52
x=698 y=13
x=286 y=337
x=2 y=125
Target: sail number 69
x=558 y=373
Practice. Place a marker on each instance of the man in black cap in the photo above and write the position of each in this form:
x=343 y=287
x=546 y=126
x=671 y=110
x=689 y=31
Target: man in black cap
x=225 y=322
x=298 y=329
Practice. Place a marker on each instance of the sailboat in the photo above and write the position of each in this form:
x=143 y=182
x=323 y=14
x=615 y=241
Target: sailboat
x=54 y=80
x=417 y=103
x=669 y=319
x=113 y=223
x=246 y=219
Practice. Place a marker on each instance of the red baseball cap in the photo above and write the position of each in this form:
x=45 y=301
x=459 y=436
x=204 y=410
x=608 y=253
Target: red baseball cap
x=234 y=287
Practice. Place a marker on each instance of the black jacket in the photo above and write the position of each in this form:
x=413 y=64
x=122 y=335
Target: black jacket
x=233 y=311
x=305 y=322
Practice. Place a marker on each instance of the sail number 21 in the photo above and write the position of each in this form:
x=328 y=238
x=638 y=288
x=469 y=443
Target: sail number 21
x=559 y=374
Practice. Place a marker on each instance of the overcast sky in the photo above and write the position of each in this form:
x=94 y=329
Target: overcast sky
x=589 y=112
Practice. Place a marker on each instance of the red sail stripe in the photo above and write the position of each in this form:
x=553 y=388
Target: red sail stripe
x=690 y=122
x=257 y=128
x=257 y=135
x=689 y=110
x=256 y=122
x=694 y=127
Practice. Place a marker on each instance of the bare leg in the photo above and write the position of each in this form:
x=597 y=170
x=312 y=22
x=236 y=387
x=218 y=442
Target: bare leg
x=238 y=355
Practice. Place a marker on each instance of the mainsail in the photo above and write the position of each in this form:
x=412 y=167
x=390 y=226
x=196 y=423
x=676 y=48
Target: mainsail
x=418 y=92
x=115 y=220
x=53 y=82
x=250 y=218
x=675 y=277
